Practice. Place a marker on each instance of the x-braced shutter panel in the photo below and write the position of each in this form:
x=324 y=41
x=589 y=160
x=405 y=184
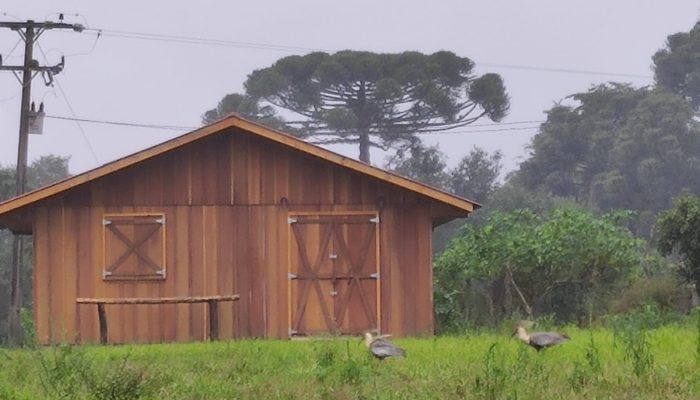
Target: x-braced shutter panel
x=134 y=246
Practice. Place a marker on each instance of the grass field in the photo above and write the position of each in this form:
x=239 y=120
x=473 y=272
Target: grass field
x=661 y=364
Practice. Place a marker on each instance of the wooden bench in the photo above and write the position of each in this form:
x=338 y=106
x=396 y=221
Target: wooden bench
x=212 y=302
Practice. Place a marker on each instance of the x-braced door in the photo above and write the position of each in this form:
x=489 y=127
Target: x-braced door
x=334 y=273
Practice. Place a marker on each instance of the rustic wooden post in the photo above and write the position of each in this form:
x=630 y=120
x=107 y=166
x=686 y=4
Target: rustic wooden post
x=212 y=302
x=103 y=322
x=213 y=319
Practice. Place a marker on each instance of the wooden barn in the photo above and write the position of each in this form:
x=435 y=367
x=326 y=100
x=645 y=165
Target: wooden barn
x=312 y=242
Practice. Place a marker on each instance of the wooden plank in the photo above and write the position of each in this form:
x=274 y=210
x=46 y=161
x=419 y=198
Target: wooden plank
x=95 y=269
x=121 y=187
x=98 y=192
x=223 y=170
x=176 y=178
x=145 y=329
x=253 y=170
x=424 y=271
x=268 y=177
x=225 y=251
x=42 y=275
x=255 y=251
x=168 y=288
x=213 y=320
x=295 y=186
x=274 y=268
x=70 y=273
x=85 y=267
x=210 y=254
x=279 y=320
x=391 y=270
x=79 y=196
x=282 y=176
x=207 y=158
x=102 y=316
x=180 y=271
x=155 y=183
x=156 y=250
x=410 y=270
x=56 y=278
x=198 y=157
x=198 y=317
x=240 y=169
x=139 y=184
x=158 y=300
x=243 y=271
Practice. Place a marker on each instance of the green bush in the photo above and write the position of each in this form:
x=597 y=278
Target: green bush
x=565 y=263
x=666 y=292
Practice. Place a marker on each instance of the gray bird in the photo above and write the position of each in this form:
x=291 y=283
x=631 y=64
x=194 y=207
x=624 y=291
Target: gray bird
x=381 y=348
x=540 y=340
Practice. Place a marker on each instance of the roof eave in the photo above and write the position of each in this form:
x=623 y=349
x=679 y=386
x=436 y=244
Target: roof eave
x=234 y=121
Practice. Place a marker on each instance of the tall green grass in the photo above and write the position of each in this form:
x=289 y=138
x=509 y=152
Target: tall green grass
x=594 y=364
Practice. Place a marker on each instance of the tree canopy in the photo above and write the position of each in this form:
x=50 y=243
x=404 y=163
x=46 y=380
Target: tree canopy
x=426 y=164
x=677 y=65
x=567 y=250
x=370 y=99
x=679 y=234
x=620 y=147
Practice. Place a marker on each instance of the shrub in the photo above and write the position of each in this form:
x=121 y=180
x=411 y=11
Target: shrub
x=665 y=291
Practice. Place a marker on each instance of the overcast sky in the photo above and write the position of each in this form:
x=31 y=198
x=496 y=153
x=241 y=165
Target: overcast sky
x=116 y=78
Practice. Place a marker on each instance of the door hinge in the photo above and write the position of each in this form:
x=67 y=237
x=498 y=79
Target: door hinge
x=291 y=220
x=375 y=220
x=105 y=274
x=291 y=276
x=374 y=275
x=106 y=222
x=160 y=221
x=292 y=332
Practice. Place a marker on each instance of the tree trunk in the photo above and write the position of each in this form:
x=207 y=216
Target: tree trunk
x=364 y=123
x=364 y=148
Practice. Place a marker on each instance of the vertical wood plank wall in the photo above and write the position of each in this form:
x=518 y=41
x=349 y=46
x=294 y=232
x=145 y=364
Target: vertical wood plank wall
x=226 y=232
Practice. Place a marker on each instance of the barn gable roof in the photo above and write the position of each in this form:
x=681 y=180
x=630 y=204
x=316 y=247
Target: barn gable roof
x=234 y=121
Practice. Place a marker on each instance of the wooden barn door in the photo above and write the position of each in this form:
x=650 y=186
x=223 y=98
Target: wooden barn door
x=333 y=274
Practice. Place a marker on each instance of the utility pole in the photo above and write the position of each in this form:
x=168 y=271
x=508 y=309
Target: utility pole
x=29 y=31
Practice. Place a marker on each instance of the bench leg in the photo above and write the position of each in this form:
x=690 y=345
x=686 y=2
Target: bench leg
x=103 y=322
x=213 y=320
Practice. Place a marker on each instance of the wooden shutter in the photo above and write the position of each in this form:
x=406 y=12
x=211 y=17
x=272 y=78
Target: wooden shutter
x=134 y=247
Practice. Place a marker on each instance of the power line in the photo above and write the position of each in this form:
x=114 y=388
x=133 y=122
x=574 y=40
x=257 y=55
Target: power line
x=189 y=128
x=9 y=53
x=119 y=123
x=562 y=70
x=80 y=127
x=278 y=47
x=70 y=108
x=198 y=40
x=16 y=95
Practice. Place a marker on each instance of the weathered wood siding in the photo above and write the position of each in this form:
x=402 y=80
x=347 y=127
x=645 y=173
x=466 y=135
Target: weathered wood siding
x=226 y=200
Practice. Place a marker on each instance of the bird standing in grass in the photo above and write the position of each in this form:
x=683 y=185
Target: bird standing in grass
x=540 y=340
x=381 y=348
